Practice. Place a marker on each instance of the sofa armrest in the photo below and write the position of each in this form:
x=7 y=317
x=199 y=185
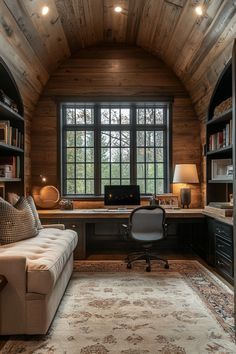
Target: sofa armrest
x=12 y=300
x=13 y=268
x=54 y=226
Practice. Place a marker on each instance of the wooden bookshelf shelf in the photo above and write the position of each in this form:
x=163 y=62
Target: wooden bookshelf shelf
x=3 y=179
x=220 y=181
x=10 y=147
x=7 y=113
x=225 y=117
x=227 y=149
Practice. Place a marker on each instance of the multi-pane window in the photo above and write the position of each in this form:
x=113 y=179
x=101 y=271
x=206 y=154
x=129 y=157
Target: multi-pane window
x=117 y=144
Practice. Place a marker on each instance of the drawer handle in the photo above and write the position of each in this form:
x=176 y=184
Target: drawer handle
x=220 y=263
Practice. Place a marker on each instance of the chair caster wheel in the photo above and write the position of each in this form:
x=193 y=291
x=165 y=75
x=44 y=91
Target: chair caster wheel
x=167 y=266
x=148 y=269
x=129 y=266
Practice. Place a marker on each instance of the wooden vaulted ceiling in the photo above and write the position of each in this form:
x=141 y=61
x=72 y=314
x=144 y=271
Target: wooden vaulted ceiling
x=196 y=48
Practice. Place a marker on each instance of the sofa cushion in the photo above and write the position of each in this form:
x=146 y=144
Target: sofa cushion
x=16 y=225
x=21 y=204
x=46 y=255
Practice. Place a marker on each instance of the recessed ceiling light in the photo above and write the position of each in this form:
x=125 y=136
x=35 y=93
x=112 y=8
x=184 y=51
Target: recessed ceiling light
x=45 y=10
x=118 y=9
x=199 y=10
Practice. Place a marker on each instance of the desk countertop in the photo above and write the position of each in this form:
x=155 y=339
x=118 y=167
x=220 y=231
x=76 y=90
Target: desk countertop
x=119 y=214
x=225 y=219
x=115 y=213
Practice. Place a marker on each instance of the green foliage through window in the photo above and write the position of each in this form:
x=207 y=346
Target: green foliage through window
x=114 y=144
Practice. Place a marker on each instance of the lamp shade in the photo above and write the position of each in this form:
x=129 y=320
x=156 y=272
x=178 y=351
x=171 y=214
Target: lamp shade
x=185 y=173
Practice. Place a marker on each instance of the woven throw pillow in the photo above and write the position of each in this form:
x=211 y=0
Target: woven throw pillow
x=21 y=205
x=16 y=225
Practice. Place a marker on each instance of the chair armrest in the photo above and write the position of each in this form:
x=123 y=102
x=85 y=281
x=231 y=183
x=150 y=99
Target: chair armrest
x=54 y=226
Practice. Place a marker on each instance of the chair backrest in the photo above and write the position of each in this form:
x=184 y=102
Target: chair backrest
x=147 y=223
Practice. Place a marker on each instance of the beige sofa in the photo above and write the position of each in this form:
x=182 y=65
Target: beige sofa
x=37 y=270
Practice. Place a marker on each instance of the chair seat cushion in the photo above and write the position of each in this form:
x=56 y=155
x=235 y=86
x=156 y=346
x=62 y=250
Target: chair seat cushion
x=149 y=237
x=46 y=255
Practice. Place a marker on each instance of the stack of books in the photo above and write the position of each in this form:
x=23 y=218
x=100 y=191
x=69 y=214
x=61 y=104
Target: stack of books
x=220 y=208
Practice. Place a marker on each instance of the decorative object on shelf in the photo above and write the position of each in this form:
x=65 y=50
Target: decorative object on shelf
x=46 y=197
x=6 y=171
x=223 y=107
x=168 y=200
x=8 y=101
x=231 y=199
x=66 y=204
x=221 y=169
x=230 y=171
x=10 y=166
x=185 y=173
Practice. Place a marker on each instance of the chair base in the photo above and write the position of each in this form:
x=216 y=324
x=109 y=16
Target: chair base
x=146 y=256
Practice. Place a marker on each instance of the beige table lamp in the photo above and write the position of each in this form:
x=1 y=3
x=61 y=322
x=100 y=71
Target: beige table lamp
x=185 y=173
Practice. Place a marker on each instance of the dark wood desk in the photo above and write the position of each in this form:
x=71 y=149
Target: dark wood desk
x=99 y=228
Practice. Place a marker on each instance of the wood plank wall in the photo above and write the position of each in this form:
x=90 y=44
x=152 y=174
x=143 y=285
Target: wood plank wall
x=106 y=72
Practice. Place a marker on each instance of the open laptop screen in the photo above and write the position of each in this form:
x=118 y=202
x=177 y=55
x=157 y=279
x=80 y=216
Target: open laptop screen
x=121 y=195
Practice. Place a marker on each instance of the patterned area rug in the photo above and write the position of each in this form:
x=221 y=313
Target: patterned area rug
x=107 y=309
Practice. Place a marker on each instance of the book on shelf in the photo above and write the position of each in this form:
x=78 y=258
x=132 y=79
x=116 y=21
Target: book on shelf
x=221 y=139
x=4 y=131
x=11 y=135
x=10 y=166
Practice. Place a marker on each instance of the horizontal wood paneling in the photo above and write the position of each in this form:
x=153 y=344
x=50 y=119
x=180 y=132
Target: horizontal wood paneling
x=89 y=77
x=196 y=48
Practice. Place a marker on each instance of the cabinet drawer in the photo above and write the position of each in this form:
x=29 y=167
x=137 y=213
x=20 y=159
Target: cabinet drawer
x=224 y=247
x=224 y=265
x=224 y=231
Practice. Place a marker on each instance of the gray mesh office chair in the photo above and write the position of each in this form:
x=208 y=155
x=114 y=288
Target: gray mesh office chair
x=146 y=226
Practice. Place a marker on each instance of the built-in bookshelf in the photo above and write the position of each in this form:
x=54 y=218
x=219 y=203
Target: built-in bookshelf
x=11 y=134
x=219 y=147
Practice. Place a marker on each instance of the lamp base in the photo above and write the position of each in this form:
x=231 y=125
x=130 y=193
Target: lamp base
x=185 y=197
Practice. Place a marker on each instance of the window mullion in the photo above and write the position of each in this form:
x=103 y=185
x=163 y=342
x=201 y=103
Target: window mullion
x=97 y=150
x=133 y=152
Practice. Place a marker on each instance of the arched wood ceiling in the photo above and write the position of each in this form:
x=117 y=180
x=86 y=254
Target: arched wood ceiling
x=196 y=48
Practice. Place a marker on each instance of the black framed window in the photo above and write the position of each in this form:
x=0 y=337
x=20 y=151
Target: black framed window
x=114 y=143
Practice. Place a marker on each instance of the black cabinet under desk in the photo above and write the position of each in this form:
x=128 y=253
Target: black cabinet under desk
x=193 y=230
x=220 y=236
x=102 y=232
